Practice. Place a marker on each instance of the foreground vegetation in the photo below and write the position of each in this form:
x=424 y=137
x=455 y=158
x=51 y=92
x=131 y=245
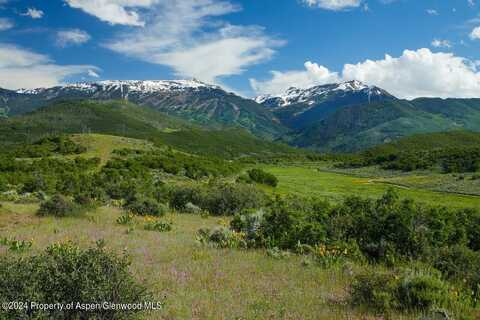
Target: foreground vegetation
x=217 y=238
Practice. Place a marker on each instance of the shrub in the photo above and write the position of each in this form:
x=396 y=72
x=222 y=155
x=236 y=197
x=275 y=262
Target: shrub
x=250 y=223
x=229 y=199
x=375 y=290
x=221 y=237
x=66 y=273
x=263 y=177
x=181 y=196
x=291 y=221
x=406 y=290
x=422 y=291
x=159 y=226
x=146 y=207
x=125 y=219
x=329 y=255
x=3 y=184
x=38 y=183
x=461 y=265
x=85 y=200
x=193 y=209
x=59 y=206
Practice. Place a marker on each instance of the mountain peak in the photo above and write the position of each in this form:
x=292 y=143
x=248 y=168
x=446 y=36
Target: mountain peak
x=312 y=94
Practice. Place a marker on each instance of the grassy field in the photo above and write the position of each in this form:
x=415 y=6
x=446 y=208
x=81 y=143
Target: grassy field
x=434 y=180
x=102 y=146
x=335 y=186
x=197 y=282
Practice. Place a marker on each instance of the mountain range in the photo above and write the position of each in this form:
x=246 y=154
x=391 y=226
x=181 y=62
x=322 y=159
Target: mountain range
x=342 y=117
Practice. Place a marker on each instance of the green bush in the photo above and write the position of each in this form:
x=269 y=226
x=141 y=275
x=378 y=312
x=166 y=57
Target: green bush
x=65 y=273
x=59 y=206
x=263 y=177
x=461 y=266
x=3 y=184
x=230 y=199
x=146 y=207
x=405 y=290
x=292 y=221
x=221 y=238
x=217 y=199
x=250 y=223
x=159 y=226
x=375 y=290
x=180 y=196
x=192 y=209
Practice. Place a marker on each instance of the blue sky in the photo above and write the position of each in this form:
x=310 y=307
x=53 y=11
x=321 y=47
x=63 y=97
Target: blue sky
x=250 y=47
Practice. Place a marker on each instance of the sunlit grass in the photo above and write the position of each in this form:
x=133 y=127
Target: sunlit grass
x=198 y=282
x=309 y=181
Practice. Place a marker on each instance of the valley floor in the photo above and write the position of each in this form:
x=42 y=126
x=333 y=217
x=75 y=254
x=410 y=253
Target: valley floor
x=320 y=181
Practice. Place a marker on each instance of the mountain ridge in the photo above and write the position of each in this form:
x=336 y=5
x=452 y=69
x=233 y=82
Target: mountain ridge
x=192 y=100
x=341 y=117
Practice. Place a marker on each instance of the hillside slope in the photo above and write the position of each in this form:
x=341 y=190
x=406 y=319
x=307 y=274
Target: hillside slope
x=125 y=119
x=358 y=127
x=429 y=141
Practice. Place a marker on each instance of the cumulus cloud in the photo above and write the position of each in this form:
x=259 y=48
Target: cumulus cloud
x=21 y=68
x=189 y=37
x=475 y=34
x=419 y=73
x=72 y=37
x=121 y=12
x=432 y=12
x=333 y=4
x=313 y=75
x=5 y=24
x=33 y=13
x=437 y=43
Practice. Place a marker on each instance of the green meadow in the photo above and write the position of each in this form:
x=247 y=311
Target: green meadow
x=310 y=181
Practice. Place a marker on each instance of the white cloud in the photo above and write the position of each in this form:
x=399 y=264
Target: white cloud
x=419 y=73
x=93 y=74
x=21 y=68
x=33 y=13
x=313 y=75
x=432 y=12
x=5 y=24
x=437 y=43
x=189 y=37
x=335 y=5
x=122 y=12
x=475 y=34
x=72 y=37
x=471 y=3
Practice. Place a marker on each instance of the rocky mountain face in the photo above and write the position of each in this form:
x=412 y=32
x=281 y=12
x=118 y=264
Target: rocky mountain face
x=300 y=108
x=188 y=99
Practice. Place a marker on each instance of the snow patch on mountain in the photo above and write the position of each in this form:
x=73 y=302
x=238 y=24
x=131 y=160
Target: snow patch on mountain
x=141 y=86
x=296 y=95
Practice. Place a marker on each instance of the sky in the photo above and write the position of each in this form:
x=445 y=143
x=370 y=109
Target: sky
x=411 y=48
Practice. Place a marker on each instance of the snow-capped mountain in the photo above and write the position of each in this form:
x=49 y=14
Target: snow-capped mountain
x=297 y=108
x=137 y=86
x=311 y=95
x=188 y=99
